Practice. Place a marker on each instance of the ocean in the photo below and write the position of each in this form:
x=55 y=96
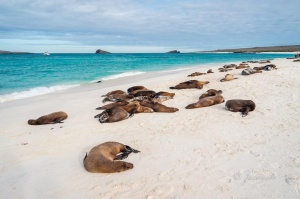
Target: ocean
x=26 y=75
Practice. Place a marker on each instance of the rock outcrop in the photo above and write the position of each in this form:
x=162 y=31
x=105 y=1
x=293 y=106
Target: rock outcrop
x=174 y=51
x=99 y=51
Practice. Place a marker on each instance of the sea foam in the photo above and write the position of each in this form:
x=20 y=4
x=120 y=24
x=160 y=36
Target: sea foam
x=33 y=92
x=122 y=75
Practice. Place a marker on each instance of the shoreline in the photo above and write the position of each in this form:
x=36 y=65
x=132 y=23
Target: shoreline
x=209 y=152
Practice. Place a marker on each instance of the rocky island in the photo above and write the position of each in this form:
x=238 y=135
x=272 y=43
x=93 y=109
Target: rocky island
x=174 y=51
x=99 y=51
x=9 y=52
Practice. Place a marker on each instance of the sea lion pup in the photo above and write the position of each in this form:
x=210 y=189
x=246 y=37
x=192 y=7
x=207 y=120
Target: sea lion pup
x=114 y=92
x=162 y=96
x=250 y=71
x=210 y=71
x=157 y=107
x=207 y=101
x=118 y=97
x=101 y=158
x=242 y=66
x=196 y=74
x=228 y=77
x=190 y=84
x=238 y=105
x=52 y=118
x=210 y=92
x=112 y=105
x=115 y=114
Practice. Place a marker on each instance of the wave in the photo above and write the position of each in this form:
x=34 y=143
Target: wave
x=122 y=75
x=33 y=92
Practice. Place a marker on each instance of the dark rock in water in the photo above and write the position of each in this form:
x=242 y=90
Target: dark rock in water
x=98 y=82
x=99 y=51
x=174 y=51
x=9 y=52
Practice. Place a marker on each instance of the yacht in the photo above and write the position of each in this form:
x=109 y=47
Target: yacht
x=46 y=53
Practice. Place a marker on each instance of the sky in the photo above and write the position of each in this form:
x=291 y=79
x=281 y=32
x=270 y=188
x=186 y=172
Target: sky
x=141 y=26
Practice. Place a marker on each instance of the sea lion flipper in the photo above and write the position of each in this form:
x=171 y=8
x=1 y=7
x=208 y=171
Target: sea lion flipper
x=129 y=149
x=122 y=156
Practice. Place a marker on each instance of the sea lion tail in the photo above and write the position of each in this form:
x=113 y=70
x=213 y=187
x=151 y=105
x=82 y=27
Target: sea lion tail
x=172 y=87
x=129 y=149
x=99 y=108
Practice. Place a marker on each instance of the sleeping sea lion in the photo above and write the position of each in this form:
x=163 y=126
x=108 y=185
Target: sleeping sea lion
x=227 y=66
x=115 y=114
x=196 y=74
x=118 y=97
x=157 y=107
x=112 y=105
x=228 y=77
x=102 y=158
x=51 y=118
x=210 y=92
x=249 y=71
x=238 y=105
x=162 y=96
x=266 y=67
x=242 y=66
x=131 y=89
x=207 y=101
x=210 y=71
x=190 y=84
x=224 y=69
x=114 y=92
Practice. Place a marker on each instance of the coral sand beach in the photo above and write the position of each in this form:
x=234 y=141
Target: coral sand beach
x=199 y=153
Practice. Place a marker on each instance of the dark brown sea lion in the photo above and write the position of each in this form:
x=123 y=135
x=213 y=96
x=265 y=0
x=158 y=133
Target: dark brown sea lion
x=238 y=105
x=112 y=105
x=190 y=84
x=266 y=67
x=144 y=93
x=249 y=71
x=52 y=118
x=228 y=77
x=296 y=60
x=210 y=92
x=196 y=74
x=157 y=107
x=242 y=66
x=224 y=69
x=207 y=101
x=227 y=66
x=102 y=158
x=210 y=71
x=131 y=89
x=115 y=114
x=114 y=92
x=136 y=108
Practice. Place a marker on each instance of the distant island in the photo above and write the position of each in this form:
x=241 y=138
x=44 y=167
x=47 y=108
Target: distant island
x=292 y=48
x=99 y=51
x=9 y=52
x=174 y=51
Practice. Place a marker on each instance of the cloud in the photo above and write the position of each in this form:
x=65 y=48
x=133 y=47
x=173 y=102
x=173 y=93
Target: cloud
x=190 y=24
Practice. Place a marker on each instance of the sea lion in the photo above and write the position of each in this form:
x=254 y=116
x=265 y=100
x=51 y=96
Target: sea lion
x=266 y=67
x=162 y=96
x=224 y=69
x=131 y=89
x=264 y=61
x=190 y=84
x=196 y=74
x=250 y=71
x=112 y=105
x=115 y=114
x=227 y=66
x=148 y=93
x=102 y=158
x=210 y=71
x=207 y=101
x=228 y=77
x=114 y=92
x=238 y=105
x=136 y=108
x=296 y=60
x=52 y=118
x=157 y=107
x=118 y=97
x=242 y=66
x=210 y=92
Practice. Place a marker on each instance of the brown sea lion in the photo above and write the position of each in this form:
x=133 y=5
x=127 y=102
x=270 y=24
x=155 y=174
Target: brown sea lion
x=249 y=71
x=115 y=114
x=114 y=92
x=264 y=61
x=266 y=67
x=210 y=71
x=227 y=66
x=102 y=158
x=190 y=84
x=118 y=97
x=238 y=105
x=224 y=69
x=196 y=74
x=148 y=93
x=52 y=118
x=134 y=88
x=136 y=108
x=112 y=105
x=207 y=101
x=157 y=107
x=228 y=77
x=162 y=96
x=296 y=60
x=210 y=92
x=242 y=66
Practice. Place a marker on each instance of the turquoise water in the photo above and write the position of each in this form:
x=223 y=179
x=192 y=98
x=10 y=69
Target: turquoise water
x=24 y=75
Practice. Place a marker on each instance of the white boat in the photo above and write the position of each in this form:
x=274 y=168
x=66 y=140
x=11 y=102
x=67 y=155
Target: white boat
x=46 y=53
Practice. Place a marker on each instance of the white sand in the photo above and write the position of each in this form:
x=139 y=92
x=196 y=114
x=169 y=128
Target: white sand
x=199 y=153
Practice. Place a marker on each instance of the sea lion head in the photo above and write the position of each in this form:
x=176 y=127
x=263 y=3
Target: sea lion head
x=125 y=166
x=174 y=109
x=32 y=122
